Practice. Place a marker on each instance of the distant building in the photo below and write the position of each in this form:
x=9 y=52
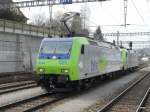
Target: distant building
x=13 y=14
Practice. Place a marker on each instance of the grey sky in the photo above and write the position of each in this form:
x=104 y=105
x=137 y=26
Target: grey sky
x=106 y=13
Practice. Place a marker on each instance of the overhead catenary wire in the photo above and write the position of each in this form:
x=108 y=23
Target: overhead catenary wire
x=140 y=15
x=148 y=7
x=50 y=16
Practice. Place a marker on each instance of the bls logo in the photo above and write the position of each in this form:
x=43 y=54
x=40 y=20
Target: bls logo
x=102 y=63
x=94 y=65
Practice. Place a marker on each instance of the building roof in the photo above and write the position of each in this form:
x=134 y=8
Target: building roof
x=19 y=11
x=5 y=1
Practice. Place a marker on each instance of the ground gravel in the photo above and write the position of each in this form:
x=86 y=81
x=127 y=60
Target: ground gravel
x=19 y=95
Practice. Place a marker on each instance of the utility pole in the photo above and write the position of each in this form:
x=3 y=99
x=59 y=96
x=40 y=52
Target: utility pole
x=50 y=16
x=125 y=12
x=118 y=37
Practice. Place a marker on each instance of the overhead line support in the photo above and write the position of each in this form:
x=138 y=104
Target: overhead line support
x=33 y=3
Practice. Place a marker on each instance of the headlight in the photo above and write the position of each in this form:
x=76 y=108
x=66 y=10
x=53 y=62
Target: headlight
x=41 y=70
x=64 y=71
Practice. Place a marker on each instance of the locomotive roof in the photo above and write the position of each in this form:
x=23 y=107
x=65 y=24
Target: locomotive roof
x=103 y=44
x=91 y=41
x=57 y=39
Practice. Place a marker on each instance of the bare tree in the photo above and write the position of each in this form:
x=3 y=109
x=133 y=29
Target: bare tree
x=98 y=34
x=55 y=25
x=75 y=24
x=85 y=15
x=38 y=19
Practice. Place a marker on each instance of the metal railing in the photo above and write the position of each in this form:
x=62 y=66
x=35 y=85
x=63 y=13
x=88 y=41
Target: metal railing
x=15 y=27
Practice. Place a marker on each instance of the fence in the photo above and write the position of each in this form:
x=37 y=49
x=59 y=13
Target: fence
x=15 y=27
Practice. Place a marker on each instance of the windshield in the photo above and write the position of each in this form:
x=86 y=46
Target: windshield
x=56 y=47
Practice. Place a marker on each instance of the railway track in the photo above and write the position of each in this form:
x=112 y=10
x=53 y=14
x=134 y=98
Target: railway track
x=32 y=104
x=16 y=77
x=35 y=102
x=130 y=99
x=145 y=103
x=11 y=87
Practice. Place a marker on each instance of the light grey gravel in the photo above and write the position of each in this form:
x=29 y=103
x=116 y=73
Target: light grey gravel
x=19 y=95
x=80 y=102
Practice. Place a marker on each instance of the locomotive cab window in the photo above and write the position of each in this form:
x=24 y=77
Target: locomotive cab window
x=55 y=49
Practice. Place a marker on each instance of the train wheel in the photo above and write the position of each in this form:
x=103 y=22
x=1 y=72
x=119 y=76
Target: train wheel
x=114 y=75
x=87 y=83
x=79 y=85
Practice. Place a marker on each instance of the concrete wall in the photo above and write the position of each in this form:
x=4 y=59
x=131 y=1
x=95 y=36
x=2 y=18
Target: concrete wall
x=18 y=52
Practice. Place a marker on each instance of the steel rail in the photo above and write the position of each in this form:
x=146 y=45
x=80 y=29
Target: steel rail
x=17 y=88
x=32 y=109
x=7 y=74
x=28 y=100
x=16 y=84
x=113 y=101
x=6 y=106
x=140 y=107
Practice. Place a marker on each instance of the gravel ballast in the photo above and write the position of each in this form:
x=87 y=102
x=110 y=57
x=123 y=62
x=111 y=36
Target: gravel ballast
x=19 y=95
